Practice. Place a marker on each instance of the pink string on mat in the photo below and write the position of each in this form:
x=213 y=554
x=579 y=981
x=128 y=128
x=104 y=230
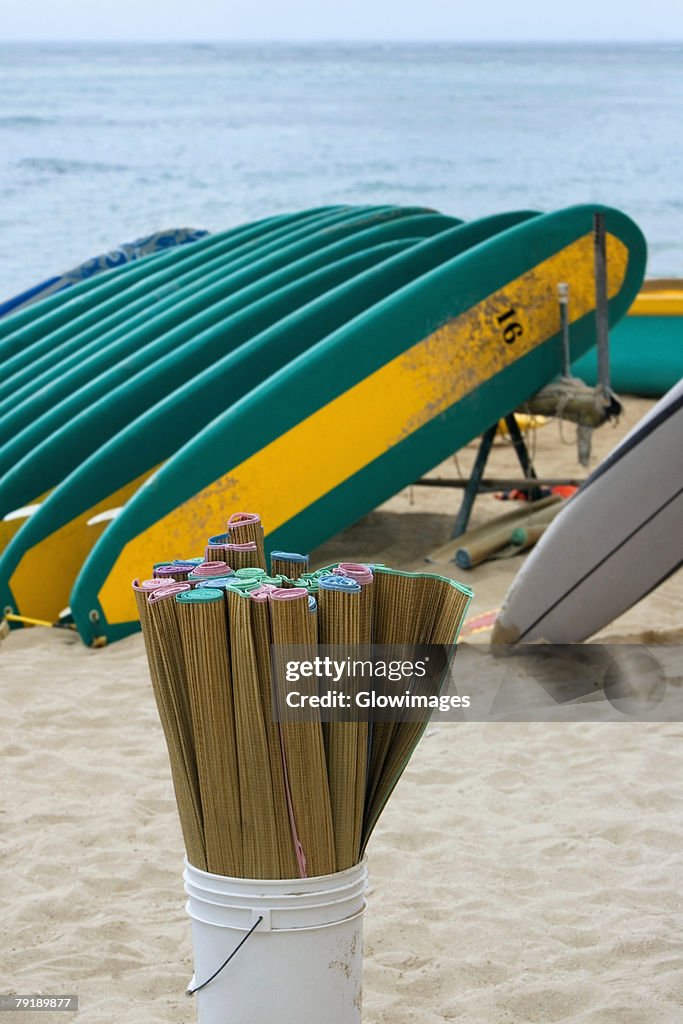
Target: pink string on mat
x=170 y=590
x=298 y=848
x=290 y=594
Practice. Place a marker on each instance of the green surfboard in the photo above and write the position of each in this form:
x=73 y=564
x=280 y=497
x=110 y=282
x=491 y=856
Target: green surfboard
x=375 y=403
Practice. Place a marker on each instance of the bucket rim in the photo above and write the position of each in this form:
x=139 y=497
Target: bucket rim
x=356 y=872
x=298 y=901
x=270 y=931
x=202 y=889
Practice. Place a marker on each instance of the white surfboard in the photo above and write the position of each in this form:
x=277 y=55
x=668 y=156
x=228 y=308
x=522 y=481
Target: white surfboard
x=618 y=538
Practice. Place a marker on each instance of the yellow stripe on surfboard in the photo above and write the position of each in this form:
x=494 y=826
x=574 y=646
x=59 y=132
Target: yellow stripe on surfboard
x=667 y=302
x=14 y=522
x=371 y=417
x=42 y=582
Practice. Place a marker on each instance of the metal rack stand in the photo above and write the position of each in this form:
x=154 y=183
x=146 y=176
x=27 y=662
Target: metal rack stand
x=474 y=482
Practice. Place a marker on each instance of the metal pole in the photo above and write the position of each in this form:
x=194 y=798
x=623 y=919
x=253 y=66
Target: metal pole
x=472 y=488
x=522 y=454
x=487 y=484
x=563 y=296
x=601 y=321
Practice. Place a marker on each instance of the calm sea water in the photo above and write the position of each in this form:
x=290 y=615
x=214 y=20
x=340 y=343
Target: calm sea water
x=102 y=143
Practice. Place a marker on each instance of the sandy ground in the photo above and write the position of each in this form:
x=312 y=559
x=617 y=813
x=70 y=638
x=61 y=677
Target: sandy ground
x=523 y=873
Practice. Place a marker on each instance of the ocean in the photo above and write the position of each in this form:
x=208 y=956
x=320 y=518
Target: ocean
x=100 y=144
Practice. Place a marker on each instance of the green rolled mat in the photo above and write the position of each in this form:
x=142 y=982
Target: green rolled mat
x=311 y=585
x=260 y=626
x=260 y=841
x=248 y=584
x=173 y=701
x=250 y=572
x=204 y=636
x=303 y=748
x=341 y=609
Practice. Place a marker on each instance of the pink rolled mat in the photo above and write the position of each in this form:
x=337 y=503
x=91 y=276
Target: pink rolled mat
x=238 y=519
x=247 y=526
x=152 y=584
x=170 y=590
x=355 y=571
x=288 y=593
x=263 y=592
x=205 y=569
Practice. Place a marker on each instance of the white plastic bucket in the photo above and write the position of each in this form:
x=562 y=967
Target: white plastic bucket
x=301 y=964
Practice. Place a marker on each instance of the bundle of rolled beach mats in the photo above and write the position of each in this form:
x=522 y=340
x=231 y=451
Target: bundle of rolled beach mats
x=276 y=810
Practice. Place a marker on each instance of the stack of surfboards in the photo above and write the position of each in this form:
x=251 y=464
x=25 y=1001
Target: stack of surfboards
x=357 y=346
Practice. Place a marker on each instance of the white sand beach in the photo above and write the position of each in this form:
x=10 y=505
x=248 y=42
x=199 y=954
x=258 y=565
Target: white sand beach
x=522 y=873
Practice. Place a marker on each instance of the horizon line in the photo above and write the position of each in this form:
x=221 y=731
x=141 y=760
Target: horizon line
x=330 y=41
